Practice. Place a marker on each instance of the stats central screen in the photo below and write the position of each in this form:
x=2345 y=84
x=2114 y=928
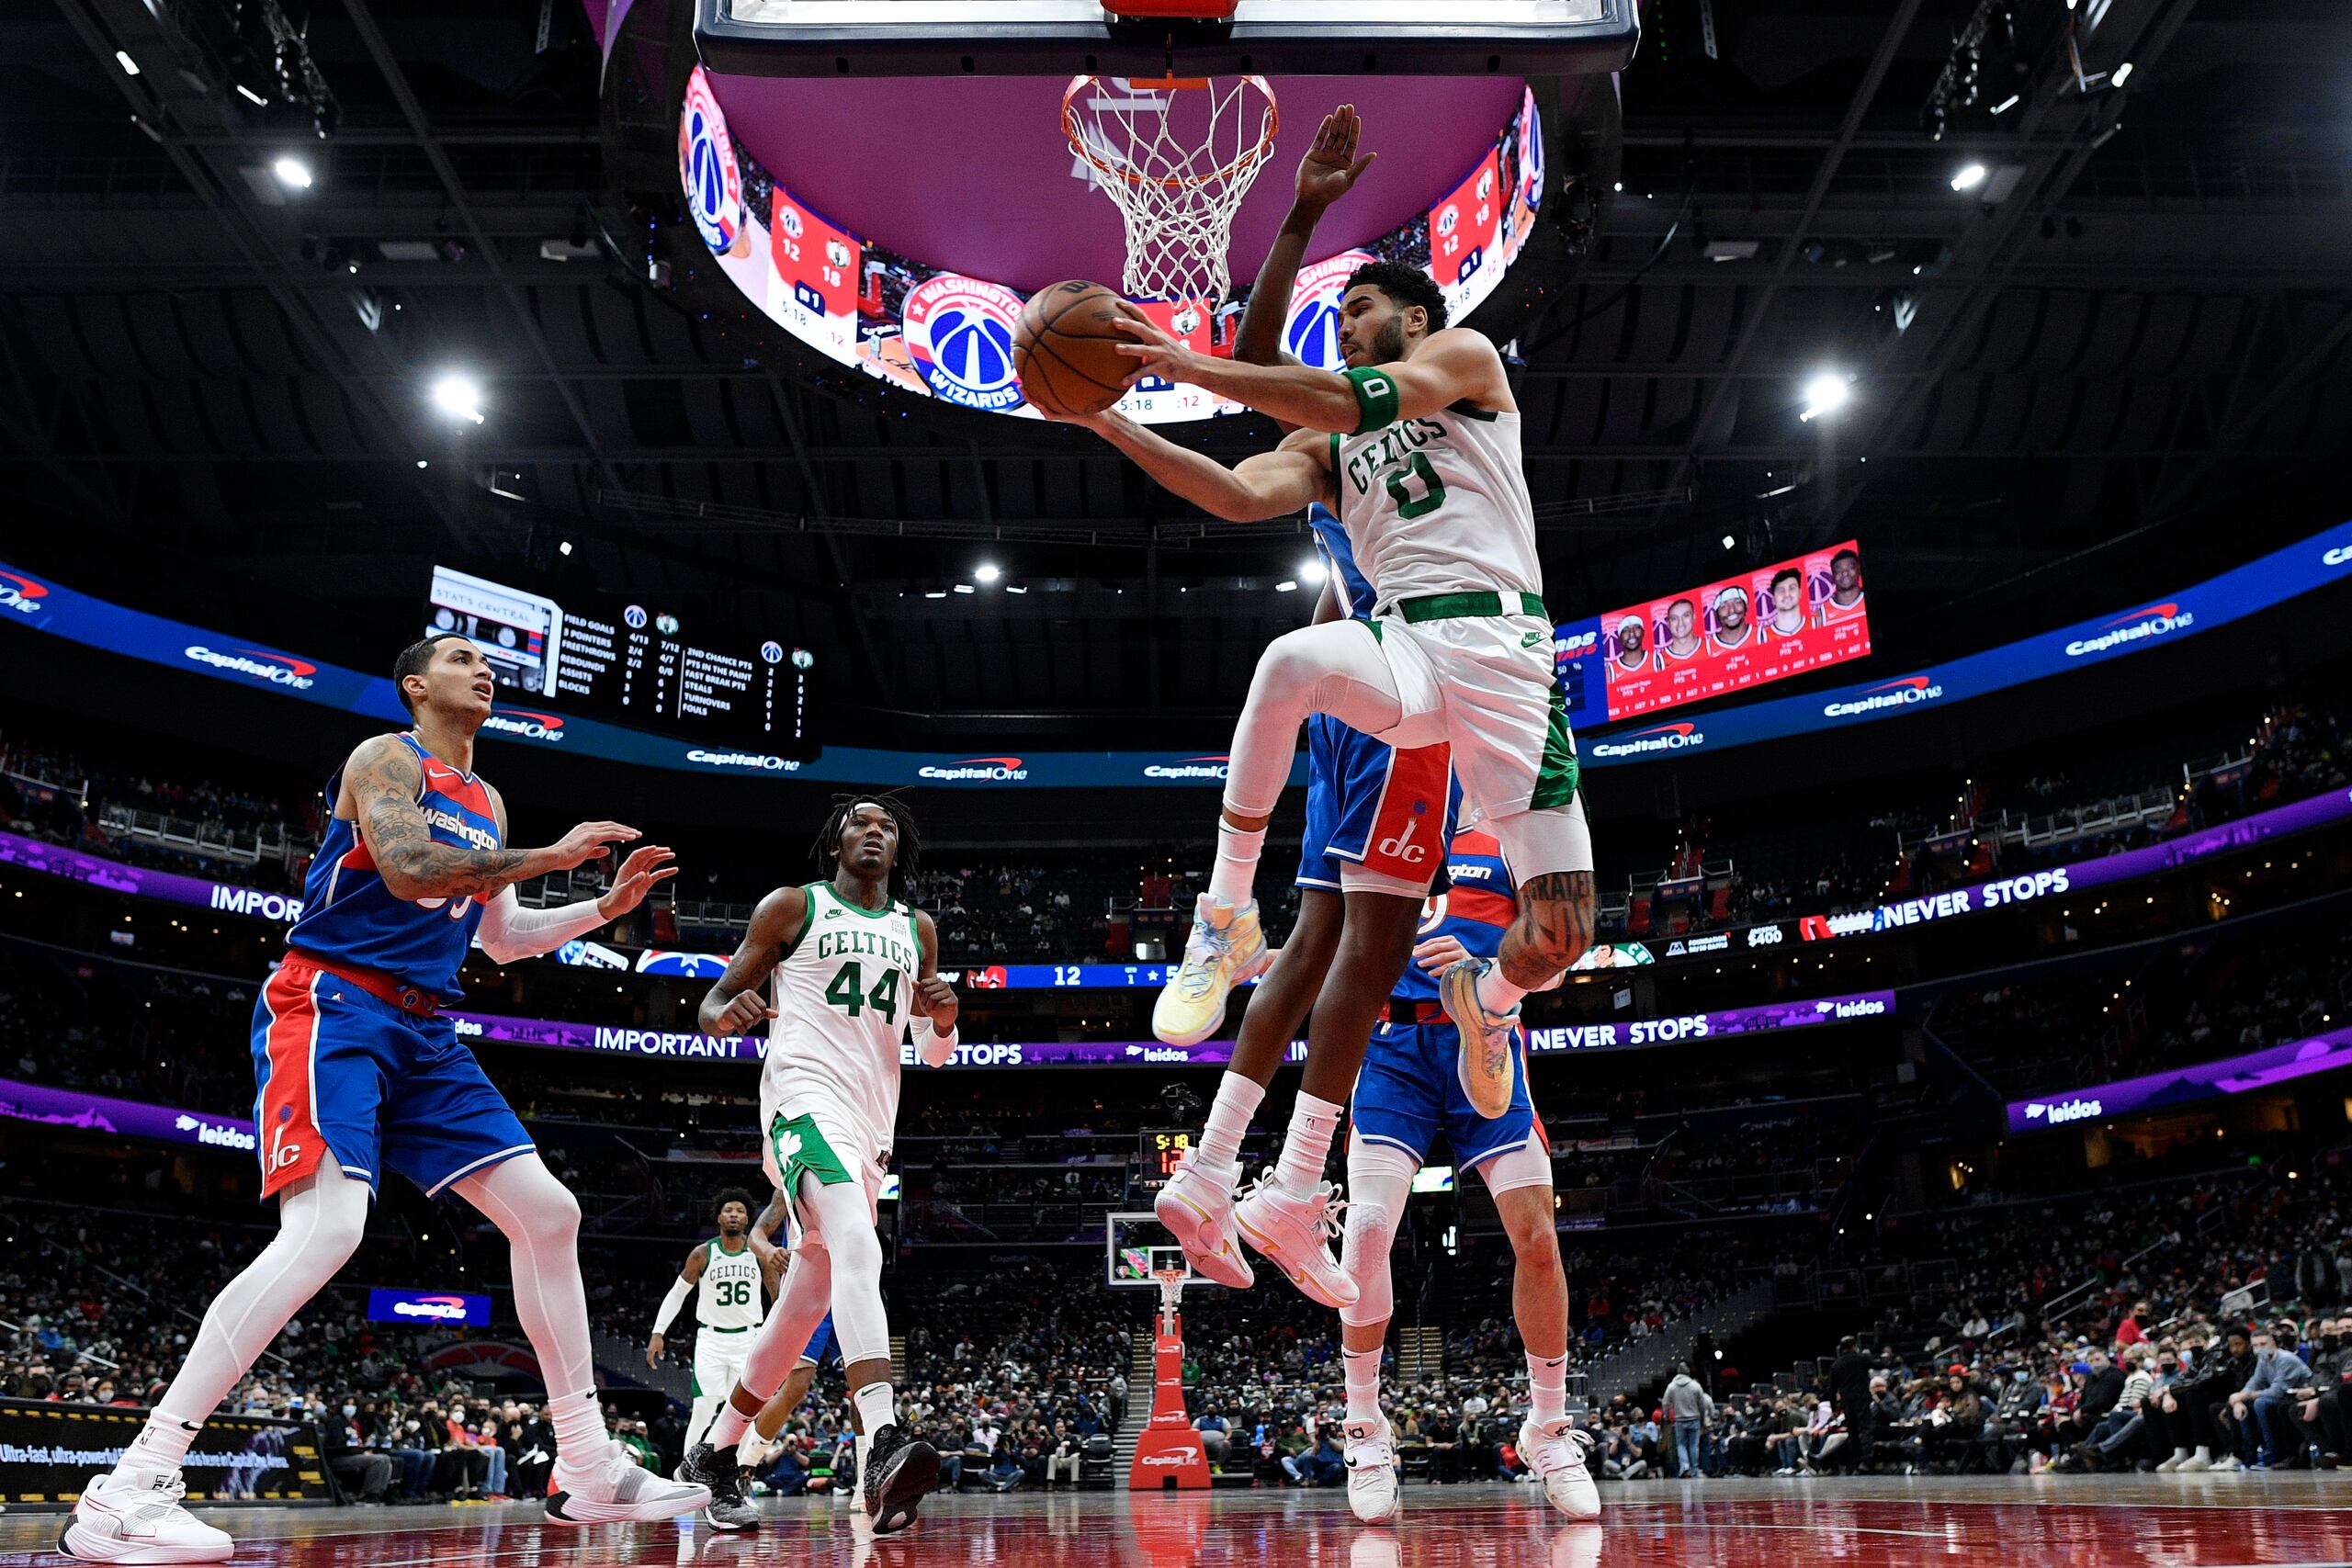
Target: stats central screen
x=629 y=663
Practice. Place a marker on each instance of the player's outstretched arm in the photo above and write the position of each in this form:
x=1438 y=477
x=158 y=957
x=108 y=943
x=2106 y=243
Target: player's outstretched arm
x=935 y=998
x=689 y=1276
x=510 y=932
x=1271 y=484
x=1453 y=366
x=1325 y=175
x=734 y=1005
x=382 y=778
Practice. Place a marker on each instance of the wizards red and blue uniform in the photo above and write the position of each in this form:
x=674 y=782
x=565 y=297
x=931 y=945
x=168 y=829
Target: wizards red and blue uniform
x=1390 y=811
x=1410 y=1088
x=354 y=1059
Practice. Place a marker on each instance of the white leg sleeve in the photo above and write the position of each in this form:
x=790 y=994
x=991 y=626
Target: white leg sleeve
x=1380 y=1176
x=541 y=1222
x=319 y=1226
x=847 y=1225
x=1336 y=668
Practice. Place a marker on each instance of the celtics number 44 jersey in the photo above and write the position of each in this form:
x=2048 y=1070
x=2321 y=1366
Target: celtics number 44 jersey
x=729 y=1294
x=841 y=999
x=1437 y=504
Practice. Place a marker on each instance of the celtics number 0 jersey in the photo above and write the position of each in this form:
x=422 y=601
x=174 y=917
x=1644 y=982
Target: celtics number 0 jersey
x=1437 y=504
x=730 y=1297
x=841 y=999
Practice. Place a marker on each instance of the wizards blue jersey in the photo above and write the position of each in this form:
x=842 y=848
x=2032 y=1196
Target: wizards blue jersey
x=1352 y=589
x=1474 y=912
x=349 y=916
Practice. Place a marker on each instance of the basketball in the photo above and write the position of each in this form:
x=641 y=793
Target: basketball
x=1066 y=349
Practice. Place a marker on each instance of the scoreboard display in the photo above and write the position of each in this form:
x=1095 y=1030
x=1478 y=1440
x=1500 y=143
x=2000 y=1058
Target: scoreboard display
x=633 y=662
x=1162 y=1147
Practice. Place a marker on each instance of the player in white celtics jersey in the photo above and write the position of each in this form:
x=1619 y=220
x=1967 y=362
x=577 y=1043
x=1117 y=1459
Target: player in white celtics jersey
x=728 y=1274
x=1415 y=446
x=837 y=970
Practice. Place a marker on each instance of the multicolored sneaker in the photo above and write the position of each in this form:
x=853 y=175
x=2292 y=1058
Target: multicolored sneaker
x=1556 y=1451
x=1371 y=1469
x=1294 y=1231
x=721 y=1474
x=1197 y=1205
x=116 y=1522
x=1226 y=948
x=613 y=1488
x=1488 y=1064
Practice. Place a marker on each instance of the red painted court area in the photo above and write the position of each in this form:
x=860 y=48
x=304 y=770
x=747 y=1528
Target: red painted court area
x=2089 y=1522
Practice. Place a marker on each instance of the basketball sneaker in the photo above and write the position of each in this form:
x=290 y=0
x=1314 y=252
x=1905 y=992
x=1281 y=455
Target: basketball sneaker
x=1226 y=949
x=1293 y=1231
x=1488 y=1063
x=1556 y=1451
x=900 y=1470
x=613 y=1488
x=1371 y=1469
x=728 y=1509
x=1197 y=1205
x=114 y=1522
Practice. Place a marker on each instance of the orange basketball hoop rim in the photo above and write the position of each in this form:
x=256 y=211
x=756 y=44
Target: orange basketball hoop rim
x=1244 y=164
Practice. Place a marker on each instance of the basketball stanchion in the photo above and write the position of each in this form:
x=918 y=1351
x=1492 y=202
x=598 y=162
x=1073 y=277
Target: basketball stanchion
x=1169 y=1455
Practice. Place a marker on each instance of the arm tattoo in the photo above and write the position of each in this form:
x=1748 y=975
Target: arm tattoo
x=771 y=1218
x=383 y=787
x=1554 y=929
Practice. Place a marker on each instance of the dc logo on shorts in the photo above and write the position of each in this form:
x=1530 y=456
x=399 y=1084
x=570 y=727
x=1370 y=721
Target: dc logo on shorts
x=707 y=164
x=1312 y=333
x=960 y=334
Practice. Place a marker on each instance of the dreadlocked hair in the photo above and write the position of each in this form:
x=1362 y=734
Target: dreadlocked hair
x=826 y=851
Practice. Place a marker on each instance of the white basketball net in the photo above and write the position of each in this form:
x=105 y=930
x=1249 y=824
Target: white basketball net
x=1176 y=158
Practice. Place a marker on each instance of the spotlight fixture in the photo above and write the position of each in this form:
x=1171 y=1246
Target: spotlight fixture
x=1286 y=585
x=293 y=172
x=1970 y=177
x=130 y=66
x=1312 y=570
x=459 y=396
x=986 y=572
x=1826 y=393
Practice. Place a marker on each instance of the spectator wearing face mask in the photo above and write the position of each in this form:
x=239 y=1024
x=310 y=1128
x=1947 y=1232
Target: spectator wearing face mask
x=2194 y=1408
x=2015 y=1412
x=2263 y=1409
x=2321 y=1416
x=363 y=1474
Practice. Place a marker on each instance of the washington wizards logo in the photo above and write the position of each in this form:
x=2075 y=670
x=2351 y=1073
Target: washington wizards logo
x=960 y=334
x=1312 y=334
x=707 y=164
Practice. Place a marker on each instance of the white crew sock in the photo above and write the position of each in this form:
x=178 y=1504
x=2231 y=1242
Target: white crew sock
x=1363 y=1368
x=157 y=1450
x=1306 y=1147
x=1547 y=1388
x=2205 y=1453
x=877 y=1409
x=581 y=1440
x=1229 y=1123
x=1234 y=879
x=1496 y=994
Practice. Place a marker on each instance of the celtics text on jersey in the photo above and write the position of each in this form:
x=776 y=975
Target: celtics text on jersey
x=841 y=996
x=729 y=1296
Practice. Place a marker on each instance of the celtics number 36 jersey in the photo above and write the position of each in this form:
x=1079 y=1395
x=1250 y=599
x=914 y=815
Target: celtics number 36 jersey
x=840 y=999
x=1437 y=504
x=730 y=1289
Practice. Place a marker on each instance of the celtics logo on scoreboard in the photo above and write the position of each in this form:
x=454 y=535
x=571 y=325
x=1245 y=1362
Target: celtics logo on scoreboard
x=714 y=182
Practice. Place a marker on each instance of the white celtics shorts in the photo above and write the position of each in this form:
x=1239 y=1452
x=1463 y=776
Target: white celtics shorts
x=719 y=1354
x=1483 y=683
x=817 y=1135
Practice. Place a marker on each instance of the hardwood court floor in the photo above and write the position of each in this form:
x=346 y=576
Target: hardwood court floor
x=1997 y=1522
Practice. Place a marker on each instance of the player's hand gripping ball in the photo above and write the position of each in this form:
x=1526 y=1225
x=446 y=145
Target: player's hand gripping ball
x=1066 y=349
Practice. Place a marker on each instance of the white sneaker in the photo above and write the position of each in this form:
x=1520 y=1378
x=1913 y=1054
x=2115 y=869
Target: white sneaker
x=617 y=1489
x=2226 y=1463
x=1197 y=1205
x=1371 y=1469
x=1293 y=1232
x=2166 y=1466
x=1226 y=947
x=2193 y=1462
x=117 y=1523
x=1556 y=1450
x=1488 y=1064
